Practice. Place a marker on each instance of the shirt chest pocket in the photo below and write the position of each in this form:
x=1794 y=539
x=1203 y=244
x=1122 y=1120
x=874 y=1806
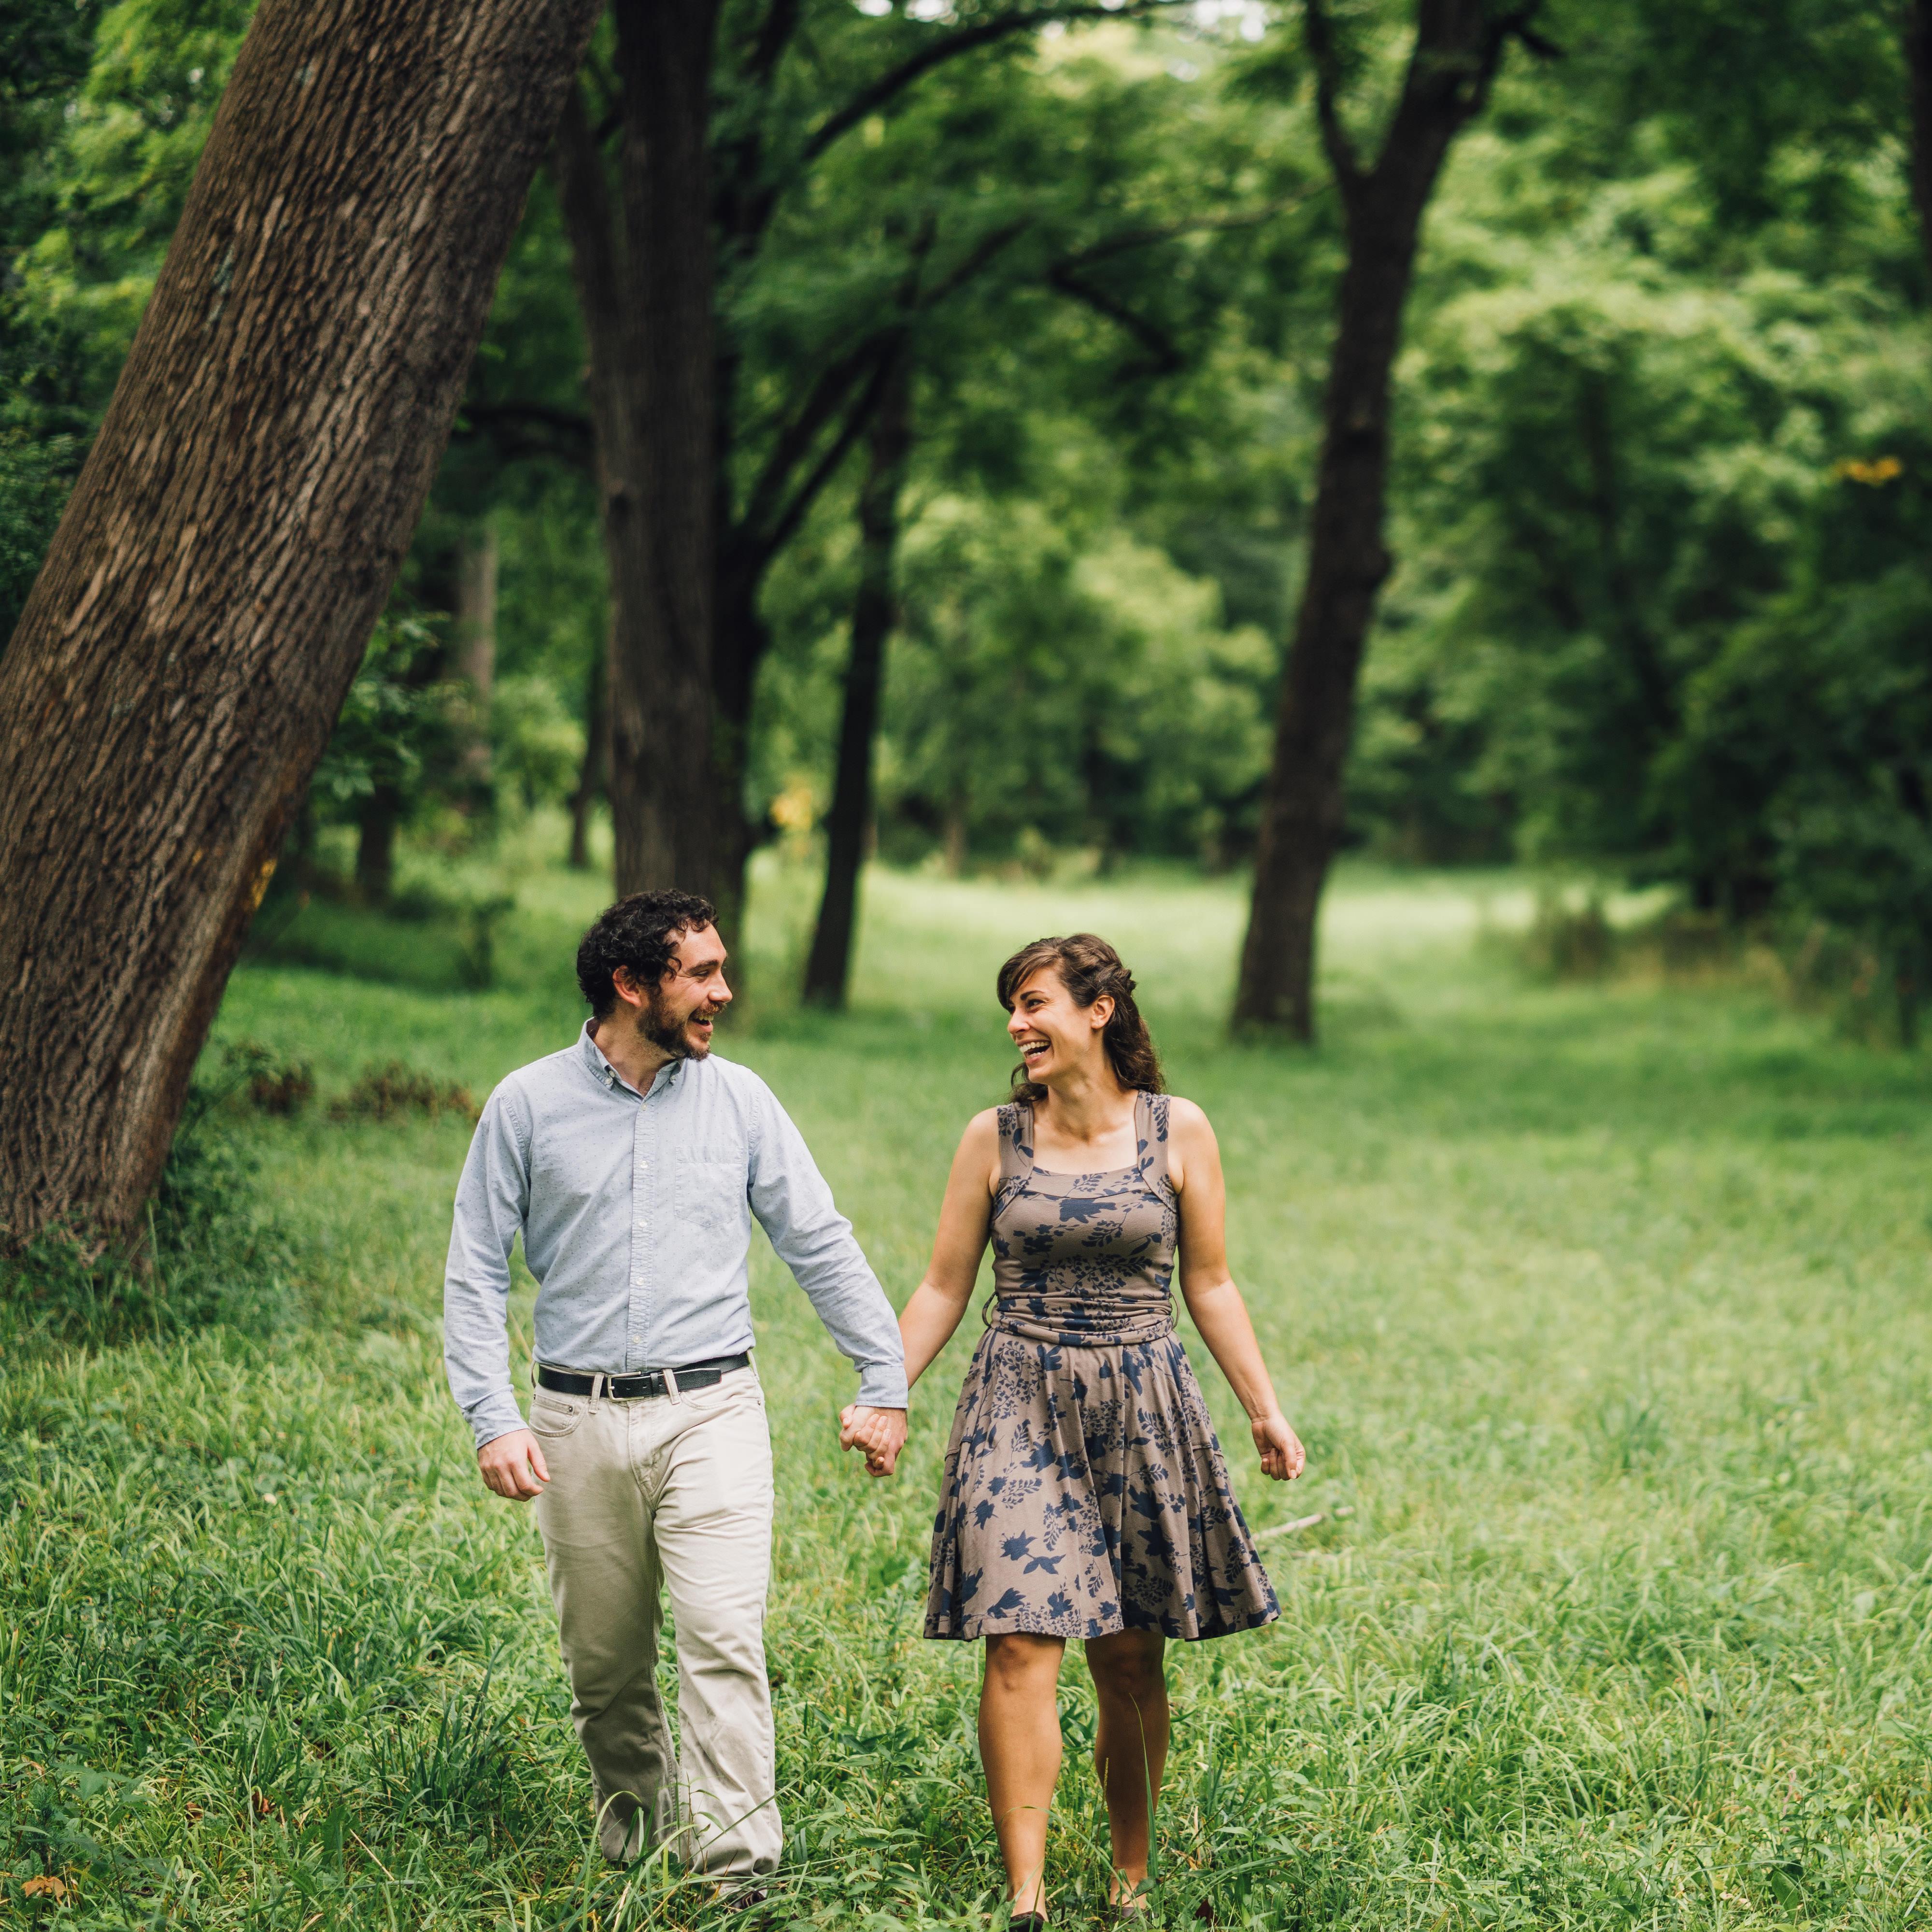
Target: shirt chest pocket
x=710 y=1196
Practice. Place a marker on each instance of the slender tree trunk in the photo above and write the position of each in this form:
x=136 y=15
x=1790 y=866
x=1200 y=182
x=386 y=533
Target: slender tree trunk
x=1918 y=68
x=240 y=519
x=874 y=610
x=740 y=641
x=590 y=772
x=475 y=639
x=380 y=814
x=1303 y=807
x=666 y=804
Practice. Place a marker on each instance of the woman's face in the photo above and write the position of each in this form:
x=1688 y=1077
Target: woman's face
x=1054 y=1036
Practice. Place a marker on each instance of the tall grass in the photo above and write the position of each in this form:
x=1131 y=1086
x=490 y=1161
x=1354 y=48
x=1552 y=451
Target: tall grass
x=1603 y=1311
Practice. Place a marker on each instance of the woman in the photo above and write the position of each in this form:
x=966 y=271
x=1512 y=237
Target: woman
x=1085 y=1494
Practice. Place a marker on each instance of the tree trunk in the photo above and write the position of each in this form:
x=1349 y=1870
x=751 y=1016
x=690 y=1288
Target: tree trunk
x=666 y=804
x=875 y=611
x=590 y=772
x=380 y=813
x=475 y=639
x=1918 y=68
x=739 y=642
x=1303 y=807
x=245 y=506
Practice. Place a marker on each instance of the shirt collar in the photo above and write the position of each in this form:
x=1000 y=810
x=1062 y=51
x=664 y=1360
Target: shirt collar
x=606 y=1076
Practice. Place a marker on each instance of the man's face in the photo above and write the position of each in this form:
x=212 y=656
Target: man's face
x=676 y=1018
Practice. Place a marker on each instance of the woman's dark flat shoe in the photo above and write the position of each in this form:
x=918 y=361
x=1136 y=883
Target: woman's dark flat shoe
x=1027 y=1922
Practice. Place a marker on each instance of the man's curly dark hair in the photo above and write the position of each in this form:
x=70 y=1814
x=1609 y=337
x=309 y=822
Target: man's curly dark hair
x=637 y=933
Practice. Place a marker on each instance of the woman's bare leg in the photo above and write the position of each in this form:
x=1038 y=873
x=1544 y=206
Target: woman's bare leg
x=1130 y=1745
x=1019 y=1745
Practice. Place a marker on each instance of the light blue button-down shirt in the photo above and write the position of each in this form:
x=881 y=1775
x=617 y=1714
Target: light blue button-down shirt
x=635 y=1216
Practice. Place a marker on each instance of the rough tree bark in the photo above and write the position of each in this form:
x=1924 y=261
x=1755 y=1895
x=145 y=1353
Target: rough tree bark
x=874 y=610
x=1459 y=45
x=201 y=612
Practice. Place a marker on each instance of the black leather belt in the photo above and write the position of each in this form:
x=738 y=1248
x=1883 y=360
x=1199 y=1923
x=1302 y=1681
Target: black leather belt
x=627 y=1388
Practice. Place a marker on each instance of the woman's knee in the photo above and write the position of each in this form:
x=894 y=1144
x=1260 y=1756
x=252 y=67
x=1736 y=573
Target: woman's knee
x=1019 y=1661
x=1128 y=1666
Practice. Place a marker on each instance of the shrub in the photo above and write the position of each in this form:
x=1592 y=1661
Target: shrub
x=388 y=1092
x=204 y=1253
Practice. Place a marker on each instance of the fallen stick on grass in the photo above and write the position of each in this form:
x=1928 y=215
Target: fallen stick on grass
x=1301 y=1523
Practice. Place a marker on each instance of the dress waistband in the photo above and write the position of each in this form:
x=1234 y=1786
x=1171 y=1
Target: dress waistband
x=1079 y=1327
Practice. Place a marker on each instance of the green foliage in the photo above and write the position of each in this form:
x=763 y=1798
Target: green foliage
x=35 y=478
x=396 y=729
x=1807 y=764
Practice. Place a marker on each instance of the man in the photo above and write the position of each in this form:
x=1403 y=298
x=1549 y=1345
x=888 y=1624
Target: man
x=630 y=1162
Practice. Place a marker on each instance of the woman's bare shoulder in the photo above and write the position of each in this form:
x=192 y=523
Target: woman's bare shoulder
x=982 y=1136
x=1186 y=1117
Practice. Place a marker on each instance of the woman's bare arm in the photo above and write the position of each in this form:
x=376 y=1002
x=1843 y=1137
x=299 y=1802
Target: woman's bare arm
x=939 y=1301
x=1209 y=1290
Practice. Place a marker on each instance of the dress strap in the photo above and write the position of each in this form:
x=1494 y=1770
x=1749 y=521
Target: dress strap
x=1151 y=1131
x=1016 y=1142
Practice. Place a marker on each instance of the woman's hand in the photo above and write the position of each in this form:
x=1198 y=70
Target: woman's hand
x=1281 y=1454
x=881 y=1432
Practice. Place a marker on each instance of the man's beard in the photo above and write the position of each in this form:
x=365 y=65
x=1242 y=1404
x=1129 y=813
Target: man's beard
x=668 y=1035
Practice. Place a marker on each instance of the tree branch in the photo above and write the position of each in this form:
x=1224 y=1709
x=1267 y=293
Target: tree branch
x=981 y=34
x=775 y=35
x=1128 y=238
x=1168 y=359
x=520 y=430
x=1319 y=34
x=890 y=346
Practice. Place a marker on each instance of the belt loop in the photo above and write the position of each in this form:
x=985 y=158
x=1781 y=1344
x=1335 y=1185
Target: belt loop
x=596 y=1382
x=671 y=1388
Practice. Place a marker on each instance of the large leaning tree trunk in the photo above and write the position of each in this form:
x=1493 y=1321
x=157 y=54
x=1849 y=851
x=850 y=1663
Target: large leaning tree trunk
x=201 y=612
x=1459 y=45
x=828 y=969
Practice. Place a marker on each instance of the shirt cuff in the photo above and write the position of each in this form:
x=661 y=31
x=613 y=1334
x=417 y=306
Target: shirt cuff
x=883 y=1385
x=495 y=1415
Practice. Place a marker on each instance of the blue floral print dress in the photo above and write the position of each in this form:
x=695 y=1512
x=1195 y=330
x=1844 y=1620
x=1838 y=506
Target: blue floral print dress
x=1085 y=1493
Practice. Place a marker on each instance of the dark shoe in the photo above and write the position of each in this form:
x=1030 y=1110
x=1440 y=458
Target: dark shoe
x=744 y=1898
x=1027 y=1922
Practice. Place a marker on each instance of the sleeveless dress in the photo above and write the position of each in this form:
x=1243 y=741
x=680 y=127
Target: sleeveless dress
x=1085 y=1493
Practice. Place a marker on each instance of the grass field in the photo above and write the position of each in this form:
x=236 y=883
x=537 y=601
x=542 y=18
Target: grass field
x=1603 y=1312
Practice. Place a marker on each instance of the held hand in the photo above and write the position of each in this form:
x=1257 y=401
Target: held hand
x=513 y=1465
x=1282 y=1456
x=881 y=1432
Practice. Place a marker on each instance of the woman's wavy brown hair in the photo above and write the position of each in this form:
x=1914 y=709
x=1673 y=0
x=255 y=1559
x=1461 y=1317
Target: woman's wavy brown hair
x=1088 y=967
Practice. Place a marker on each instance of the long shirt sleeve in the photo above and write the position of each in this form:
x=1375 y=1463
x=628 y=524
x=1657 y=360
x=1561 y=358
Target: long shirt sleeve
x=492 y=1201
x=795 y=1208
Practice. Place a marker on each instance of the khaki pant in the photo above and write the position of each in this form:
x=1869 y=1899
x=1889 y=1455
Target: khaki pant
x=675 y=1492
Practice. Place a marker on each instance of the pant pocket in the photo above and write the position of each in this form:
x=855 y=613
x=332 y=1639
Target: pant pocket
x=553 y=1417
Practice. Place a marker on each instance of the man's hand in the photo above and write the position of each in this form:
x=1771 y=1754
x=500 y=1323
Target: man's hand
x=881 y=1432
x=513 y=1465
